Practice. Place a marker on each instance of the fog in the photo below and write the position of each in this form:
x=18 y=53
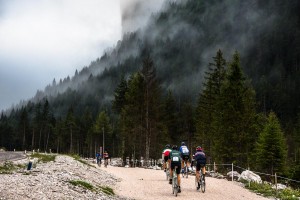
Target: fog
x=43 y=40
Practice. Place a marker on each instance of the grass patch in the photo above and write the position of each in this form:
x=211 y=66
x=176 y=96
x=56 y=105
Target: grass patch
x=78 y=158
x=7 y=167
x=82 y=184
x=43 y=157
x=267 y=191
x=107 y=190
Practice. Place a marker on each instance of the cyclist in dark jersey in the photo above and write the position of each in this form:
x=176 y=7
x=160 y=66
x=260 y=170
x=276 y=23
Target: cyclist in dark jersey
x=175 y=157
x=200 y=159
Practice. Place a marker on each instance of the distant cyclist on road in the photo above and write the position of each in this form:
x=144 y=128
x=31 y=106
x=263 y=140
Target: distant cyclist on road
x=185 y=154
x=175 y=157
x=165 y=156
x=98 y=158
x=106 y=157
x=200 y=159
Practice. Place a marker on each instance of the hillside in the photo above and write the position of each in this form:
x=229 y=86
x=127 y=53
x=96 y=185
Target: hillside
x=147 y=91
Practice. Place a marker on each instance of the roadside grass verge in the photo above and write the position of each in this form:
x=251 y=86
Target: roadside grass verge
x=78 y=158
x=105 y=189
x=43 y=157
x=8 y=167
x=266 y=190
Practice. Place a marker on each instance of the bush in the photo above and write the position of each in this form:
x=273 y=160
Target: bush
x=43 y=157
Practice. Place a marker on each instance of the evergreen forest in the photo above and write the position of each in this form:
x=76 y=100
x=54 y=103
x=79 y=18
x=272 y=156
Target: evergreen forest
x=221 y=74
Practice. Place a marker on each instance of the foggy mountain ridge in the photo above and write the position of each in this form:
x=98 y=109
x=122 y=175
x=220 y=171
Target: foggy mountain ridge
x=182 y=39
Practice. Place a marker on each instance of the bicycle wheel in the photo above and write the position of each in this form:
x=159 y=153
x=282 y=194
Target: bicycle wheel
x=186 y=171
x=202 y=184
x=175 y=187
x=196 y=182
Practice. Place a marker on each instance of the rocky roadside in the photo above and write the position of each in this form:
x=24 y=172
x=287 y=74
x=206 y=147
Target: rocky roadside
x=51 y=180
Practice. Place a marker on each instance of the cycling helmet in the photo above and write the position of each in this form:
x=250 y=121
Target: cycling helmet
x=199 y=148
x=182 y=144
x=174 y=147
x=168 y=146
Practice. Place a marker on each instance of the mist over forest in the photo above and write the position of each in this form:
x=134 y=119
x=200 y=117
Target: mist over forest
x=179 y=42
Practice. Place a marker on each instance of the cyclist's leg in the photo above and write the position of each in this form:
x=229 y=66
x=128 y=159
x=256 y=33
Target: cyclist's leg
x=178 y=176
x=172 y=166
x=198 y=168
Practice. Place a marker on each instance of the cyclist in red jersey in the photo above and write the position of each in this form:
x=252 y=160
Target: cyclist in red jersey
x=165 y=156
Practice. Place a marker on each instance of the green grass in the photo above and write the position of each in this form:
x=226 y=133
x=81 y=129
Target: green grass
x=82 y=184
x=267 y=190
x=107 y=190
x=43 y=157
x=78 y=158
x=7 y=167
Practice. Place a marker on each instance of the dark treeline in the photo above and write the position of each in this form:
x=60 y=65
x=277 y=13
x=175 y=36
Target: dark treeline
x=169 y=83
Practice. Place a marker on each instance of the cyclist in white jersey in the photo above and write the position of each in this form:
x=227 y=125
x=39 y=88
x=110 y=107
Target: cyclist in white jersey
x=185 y=154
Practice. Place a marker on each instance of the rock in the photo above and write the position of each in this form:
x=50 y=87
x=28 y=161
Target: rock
x=116 y=162
x=250 y=177
x=279 y=186
x=236 y=175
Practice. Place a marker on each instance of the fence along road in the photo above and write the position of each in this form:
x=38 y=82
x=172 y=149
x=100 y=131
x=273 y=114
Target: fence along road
x=146 y=184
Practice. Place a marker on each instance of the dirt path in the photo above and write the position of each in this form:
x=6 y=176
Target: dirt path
x=143 y=184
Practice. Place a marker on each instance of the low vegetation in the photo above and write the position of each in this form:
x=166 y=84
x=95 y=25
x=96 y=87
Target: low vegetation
x=105 y=189
x=43 y=157
x=78 y=158
x=266 y=189
x=8 y=167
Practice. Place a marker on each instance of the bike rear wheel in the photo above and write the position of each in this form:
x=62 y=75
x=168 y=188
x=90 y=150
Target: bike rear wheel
x=202 y=183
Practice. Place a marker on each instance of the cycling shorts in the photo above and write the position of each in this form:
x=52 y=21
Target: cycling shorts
x=166 y=158
x=178 y=164
x=185 y=157
x=199 y=166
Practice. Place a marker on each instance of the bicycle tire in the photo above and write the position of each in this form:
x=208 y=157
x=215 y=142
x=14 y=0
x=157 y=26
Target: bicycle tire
x=202 y=184
x=186 y=171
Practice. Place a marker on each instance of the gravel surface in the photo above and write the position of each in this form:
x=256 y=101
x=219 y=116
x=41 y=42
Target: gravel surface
x=51 y=181
x=144 y=184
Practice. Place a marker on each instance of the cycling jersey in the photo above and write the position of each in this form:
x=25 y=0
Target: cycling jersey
x=175 y=156
x=200 y=157
x=184 y=150
x=166 y=151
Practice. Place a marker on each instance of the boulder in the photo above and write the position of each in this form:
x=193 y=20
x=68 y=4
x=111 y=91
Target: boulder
x=250 y=177
x=279 y=186
x=235 y=175
x=118 y=162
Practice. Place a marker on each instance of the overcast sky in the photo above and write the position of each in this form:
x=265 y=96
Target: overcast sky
x=46 y=39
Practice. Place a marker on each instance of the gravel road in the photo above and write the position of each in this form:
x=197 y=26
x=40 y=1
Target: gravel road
x=11 y=155
x=144 y=184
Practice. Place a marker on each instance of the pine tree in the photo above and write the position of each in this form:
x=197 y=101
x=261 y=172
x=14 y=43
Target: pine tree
x=119 y=97
x=235 y=122
x=170 y=118
x=206 y=107
x=271 y=149
x=102 y=127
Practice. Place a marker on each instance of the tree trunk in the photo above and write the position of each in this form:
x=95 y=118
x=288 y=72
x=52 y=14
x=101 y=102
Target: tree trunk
x=71 y=140
x=32 y=140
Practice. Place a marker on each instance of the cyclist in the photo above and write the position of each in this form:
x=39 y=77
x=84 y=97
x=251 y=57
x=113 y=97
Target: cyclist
x=175 y=157
x=106 y=157
x=98 y=158
x=165 y=156
x=185 y=154
x=200 y=159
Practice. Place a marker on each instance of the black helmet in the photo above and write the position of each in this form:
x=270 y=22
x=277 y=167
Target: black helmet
x=182 y=144
x=174 y=147
x=168 y=146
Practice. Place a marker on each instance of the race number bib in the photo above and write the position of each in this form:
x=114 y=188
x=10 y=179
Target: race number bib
x=175 y=159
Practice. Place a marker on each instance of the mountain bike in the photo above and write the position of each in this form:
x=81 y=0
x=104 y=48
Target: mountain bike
x=175 y=186
x=167 y=171
x=105 y=162
x=201 y=183
x=185 y=170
